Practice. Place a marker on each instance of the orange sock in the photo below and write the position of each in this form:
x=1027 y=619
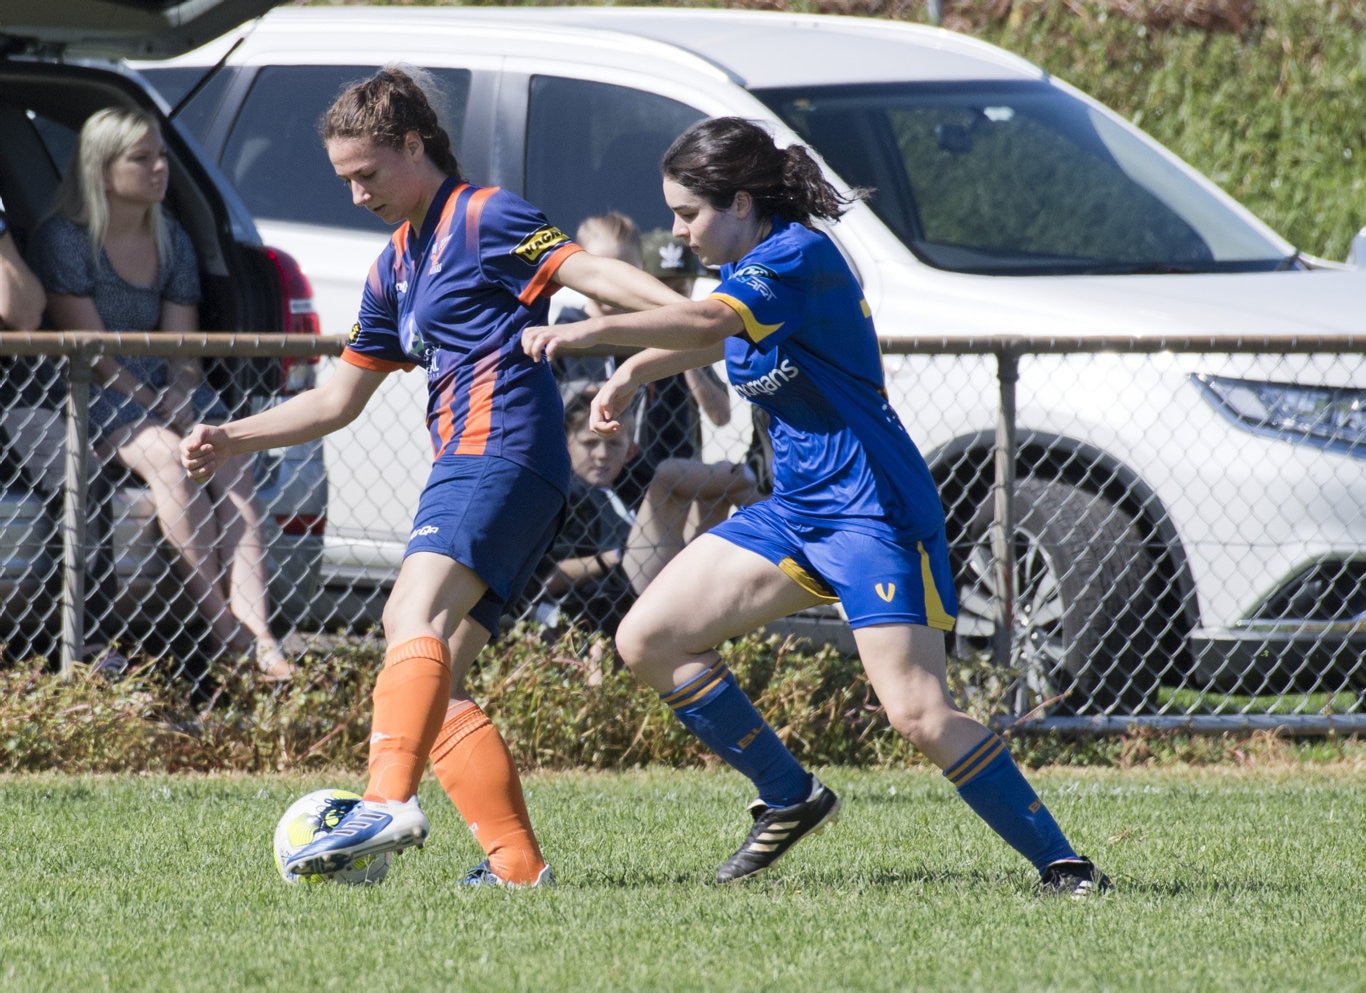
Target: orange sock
x=410 y=698
x=476 y=769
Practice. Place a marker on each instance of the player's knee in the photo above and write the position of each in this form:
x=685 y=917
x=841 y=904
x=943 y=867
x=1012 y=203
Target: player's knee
x=646 y=646
x=631 y=641
x=400 y=623
x=919 y=722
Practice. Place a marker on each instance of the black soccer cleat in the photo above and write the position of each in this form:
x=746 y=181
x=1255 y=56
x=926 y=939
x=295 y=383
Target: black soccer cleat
x=776 y=829
x=1076 y=878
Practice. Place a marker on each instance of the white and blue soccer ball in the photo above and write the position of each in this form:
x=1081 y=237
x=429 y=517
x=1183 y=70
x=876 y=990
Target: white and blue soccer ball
x=312 y=816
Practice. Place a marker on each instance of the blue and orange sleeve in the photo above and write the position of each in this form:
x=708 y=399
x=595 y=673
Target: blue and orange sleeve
x=542 y=283
x=373 y=362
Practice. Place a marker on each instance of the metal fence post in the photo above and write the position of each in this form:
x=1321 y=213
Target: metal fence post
x=74 y=507
x=1003 y=526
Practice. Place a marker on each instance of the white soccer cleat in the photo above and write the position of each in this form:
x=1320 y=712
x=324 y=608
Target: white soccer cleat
x=370 y=828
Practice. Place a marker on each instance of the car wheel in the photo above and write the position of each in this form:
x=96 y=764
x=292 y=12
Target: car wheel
x=1080 y=580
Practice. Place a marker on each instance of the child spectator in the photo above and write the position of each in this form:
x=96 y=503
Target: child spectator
x=672 y=427
x=669 y=423
x=606 y=553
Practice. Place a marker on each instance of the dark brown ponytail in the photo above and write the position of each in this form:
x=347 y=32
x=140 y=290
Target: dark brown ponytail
x=719 y=157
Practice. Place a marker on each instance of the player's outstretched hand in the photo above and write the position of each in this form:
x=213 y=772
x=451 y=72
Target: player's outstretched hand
x=610 y=402
x=544 y=343
x=203 y=451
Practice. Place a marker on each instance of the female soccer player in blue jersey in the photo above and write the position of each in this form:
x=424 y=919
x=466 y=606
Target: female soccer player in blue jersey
x=465 y=271
x=854 y=515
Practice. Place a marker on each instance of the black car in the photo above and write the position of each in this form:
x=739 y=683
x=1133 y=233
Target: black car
x=57 y=66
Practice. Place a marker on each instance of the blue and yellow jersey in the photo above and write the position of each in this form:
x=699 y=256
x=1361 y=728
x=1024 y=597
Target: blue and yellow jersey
x=809 y=356
x=454 y=299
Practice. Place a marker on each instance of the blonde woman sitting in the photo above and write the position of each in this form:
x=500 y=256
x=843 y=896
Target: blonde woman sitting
x=112 y=259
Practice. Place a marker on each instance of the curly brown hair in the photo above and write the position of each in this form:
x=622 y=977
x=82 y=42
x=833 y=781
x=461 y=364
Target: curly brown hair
x=384 y=109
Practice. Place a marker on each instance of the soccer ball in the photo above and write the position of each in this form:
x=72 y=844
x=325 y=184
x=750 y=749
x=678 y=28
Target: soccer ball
x=316 y=814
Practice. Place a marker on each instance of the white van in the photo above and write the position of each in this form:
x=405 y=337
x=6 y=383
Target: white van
x=1179 y=517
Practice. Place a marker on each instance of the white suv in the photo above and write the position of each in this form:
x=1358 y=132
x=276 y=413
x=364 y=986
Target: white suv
x=1180 y=517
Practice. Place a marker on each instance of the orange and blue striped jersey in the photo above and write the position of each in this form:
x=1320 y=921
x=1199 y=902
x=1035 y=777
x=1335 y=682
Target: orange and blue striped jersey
x=454 y=298
x=809 y=356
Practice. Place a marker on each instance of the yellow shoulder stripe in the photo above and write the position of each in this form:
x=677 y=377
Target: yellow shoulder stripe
x=755 y=331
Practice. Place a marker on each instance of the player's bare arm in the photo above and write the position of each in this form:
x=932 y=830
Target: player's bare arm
x=614 y=282
x=687 y=326
x=305 y=417
x=653 y=364
x=647 y=366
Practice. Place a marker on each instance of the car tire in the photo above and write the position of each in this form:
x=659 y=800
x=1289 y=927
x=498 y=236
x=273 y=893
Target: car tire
x=1081 y=572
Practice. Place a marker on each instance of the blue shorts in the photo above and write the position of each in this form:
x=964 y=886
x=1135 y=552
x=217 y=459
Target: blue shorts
x=880 y=576
x=493 y=516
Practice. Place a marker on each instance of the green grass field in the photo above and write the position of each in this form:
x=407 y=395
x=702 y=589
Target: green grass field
x=1227 y=879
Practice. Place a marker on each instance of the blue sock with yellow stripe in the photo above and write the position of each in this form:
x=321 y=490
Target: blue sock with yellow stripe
x=713 y=707
x=991 y=784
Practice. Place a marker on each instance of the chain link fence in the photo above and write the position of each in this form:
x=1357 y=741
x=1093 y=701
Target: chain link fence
x=86 y=571
x=1179 y=540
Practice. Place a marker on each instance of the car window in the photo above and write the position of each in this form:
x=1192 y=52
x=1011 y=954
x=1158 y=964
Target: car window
x=595 y=147
x=275 y=157
x=1018 y=179
x=58 y=139
x=174 y=83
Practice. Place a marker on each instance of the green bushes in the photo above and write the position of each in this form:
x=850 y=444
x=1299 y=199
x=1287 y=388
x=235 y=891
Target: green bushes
x=557 y=710
x=145 y=723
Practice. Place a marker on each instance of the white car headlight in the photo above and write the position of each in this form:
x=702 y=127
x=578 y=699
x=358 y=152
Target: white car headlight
x=1327 y=416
